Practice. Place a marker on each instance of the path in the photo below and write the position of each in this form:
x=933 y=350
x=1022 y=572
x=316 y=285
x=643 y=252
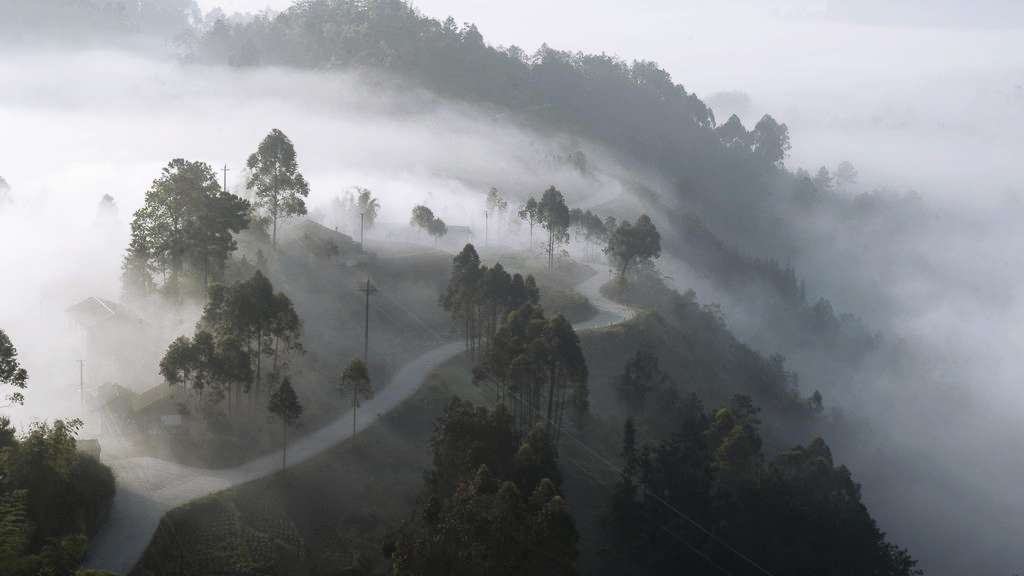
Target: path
x=148 y=487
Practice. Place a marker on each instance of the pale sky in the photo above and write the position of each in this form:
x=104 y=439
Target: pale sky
x=958 y=84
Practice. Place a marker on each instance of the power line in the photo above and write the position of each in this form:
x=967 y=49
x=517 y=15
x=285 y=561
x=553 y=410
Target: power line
x=652 y=520
x=642 y=486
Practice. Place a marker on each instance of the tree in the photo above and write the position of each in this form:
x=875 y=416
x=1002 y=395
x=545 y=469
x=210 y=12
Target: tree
x=184 y=229
x=566 y=370
x=491 y=502
x=106 y=209
x=422 y=218
x=732 y=134
x=285 y=406
x=368 y=206
x=261 y=322
x=846 y=175
x=640 y=376
x=495 y=203
x=280 y=187
x=496 y=206
x=553 y=214
x=771 y=140
x=438 y=229
x=461 y=295
x=531 y=214
x=206 y=369
x=11 y=373
x=355 y=380
x=633 y=242
x=823 y=180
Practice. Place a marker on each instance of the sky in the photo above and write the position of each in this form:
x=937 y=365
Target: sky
x=849 y=86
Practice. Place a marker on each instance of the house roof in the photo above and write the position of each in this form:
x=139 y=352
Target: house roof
x=94 y=311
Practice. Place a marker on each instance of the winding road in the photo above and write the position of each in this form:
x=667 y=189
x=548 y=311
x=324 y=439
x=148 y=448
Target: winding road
x=148 y=487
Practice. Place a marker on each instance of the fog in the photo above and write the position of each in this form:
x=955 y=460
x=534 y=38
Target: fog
x=80 y=125
x=918 y=99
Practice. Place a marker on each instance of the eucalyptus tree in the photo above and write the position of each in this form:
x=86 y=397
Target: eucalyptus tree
x=537 y=366
x=274 y=176
x=530 y=213
x=355 y=381
x=461 y=296
x=284 y=405
x=264 y=323
x=206 y=368
x=554 y=215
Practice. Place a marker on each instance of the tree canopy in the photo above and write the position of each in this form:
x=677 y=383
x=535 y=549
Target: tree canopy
x=183 y=231
x=492 y=502
x=12 y=374
x=630 y=242
x=355 y=383
x=274 y=176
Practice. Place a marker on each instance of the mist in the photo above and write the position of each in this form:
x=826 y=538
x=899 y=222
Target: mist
x=81 y=124
x=930 y=105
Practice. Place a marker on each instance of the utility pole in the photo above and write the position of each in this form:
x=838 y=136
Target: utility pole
x=81 y=387
x=486 y=221
x=225 y=170
x=368 y=290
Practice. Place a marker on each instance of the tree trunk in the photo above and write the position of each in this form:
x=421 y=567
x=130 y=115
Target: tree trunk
x=284 y=444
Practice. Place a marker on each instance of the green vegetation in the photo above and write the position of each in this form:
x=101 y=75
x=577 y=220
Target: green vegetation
x=628 y=243
x=492 y=502
x=12 y=375
x=182 y=233
x=53 y=498
x=355 y=384
x=479 y=299
x=285 y=407
x=274 y=176
x=327 y=515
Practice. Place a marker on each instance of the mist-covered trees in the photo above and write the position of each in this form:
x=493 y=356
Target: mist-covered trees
x=537 y=368
x=355 y=384
x=770 y=140
x=797 y=513
x=629 y=242
x=183 y=232
x=845 y=176
x=368 y=206
x=274 y=176
x=640 y=376
x=52 y=499
x=421 y=218
x=12 y=376
x=284 y=405
x=492 y=502
x=530 y=213
x=206 y=369
x=438 y=229
x=243 y=327
x=479 y=298
x=553 y=214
